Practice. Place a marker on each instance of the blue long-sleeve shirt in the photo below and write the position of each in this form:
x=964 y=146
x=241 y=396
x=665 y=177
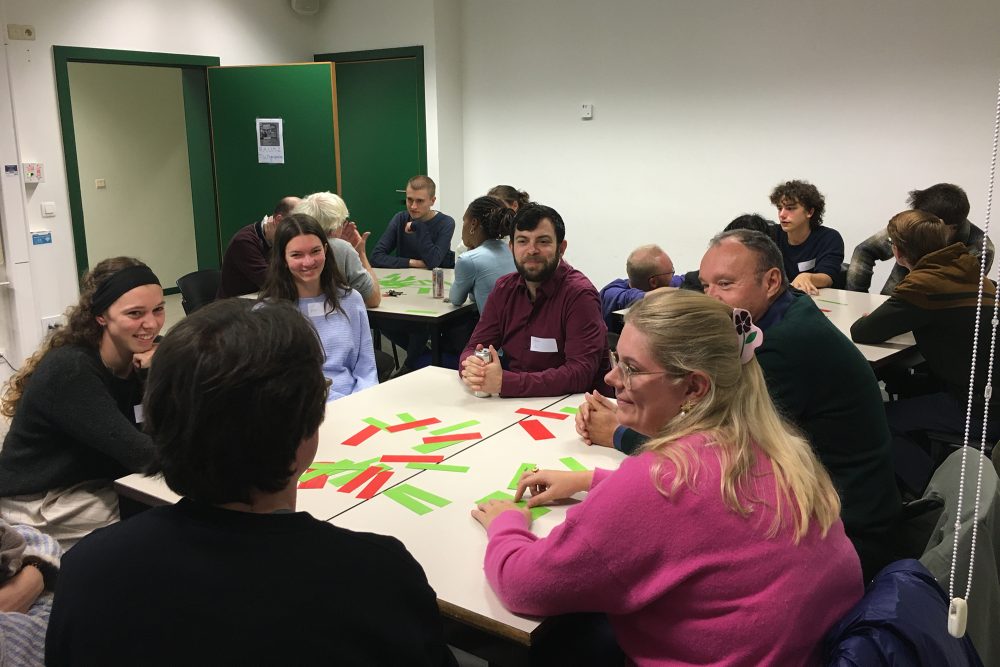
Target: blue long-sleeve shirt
x=428 y=241
x=477 y=270
x=347 y=343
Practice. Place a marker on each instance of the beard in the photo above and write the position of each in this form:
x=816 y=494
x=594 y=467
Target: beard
x=539 y=274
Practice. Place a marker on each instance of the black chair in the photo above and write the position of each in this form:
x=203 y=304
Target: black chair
x=384 y=365
x=198 y=289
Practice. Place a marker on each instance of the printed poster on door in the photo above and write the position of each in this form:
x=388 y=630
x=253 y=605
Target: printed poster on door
x=270 y=141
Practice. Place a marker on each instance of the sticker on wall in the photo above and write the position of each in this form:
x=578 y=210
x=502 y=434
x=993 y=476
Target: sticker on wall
x=10 y=169
x=270 y=141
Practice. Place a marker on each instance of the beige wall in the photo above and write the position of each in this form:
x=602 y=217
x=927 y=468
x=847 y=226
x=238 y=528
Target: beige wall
x=129 y=124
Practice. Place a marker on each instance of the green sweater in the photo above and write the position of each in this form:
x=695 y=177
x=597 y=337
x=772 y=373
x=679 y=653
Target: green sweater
x=820 y=382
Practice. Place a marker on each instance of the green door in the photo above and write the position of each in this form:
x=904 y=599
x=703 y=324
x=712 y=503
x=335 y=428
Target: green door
x=380 y=105
x=302 y=97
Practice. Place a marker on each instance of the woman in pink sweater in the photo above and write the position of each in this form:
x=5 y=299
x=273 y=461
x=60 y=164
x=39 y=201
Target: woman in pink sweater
x=721 y=542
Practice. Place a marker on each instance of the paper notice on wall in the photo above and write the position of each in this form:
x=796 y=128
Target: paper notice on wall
x=270 y=141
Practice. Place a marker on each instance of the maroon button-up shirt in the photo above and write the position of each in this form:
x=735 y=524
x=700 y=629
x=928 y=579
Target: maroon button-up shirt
x=556 y=344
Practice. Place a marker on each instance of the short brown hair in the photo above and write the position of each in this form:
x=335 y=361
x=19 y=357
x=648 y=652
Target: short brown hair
x=422 y=182
x=917 y=233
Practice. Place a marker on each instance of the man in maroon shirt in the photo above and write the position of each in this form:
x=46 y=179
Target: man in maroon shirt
x=543 y=324
x=244 y=266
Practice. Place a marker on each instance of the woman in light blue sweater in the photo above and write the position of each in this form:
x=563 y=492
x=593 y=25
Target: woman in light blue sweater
x=303 y=270
x=485 y=223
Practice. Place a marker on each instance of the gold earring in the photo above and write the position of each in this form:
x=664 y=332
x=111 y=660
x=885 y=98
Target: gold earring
x=687 y=407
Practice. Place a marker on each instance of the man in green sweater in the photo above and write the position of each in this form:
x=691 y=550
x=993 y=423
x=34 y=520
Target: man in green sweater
x=818 y=380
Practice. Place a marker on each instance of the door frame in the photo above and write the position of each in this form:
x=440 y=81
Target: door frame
x=194 y=81
x=415 y=52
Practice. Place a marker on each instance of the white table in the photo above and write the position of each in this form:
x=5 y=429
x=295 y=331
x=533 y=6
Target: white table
x=843 y=308
x=417 y=303
x=446 y=541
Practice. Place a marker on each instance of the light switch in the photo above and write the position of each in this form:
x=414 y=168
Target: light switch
x=100 y=183
x=48 y=209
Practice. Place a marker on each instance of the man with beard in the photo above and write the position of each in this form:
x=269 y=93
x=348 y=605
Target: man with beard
x=543 y=324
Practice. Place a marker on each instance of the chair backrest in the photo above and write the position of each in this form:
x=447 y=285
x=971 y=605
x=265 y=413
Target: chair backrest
x=901 y=620
x=198 y=289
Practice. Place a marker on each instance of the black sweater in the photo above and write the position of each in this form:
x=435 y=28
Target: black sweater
x=75 y=422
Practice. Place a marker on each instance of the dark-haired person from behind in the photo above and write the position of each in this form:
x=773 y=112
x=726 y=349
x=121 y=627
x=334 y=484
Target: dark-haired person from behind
x=944 y=200
x=511 y=196
x=812 y=253
x=485 y=224
x=936 y=300
x=232 y=574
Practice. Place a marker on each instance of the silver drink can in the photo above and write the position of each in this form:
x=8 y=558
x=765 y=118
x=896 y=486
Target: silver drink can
x=483 y=354
x=437 y=282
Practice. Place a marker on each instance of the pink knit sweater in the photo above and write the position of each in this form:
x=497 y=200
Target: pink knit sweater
x=684 y=580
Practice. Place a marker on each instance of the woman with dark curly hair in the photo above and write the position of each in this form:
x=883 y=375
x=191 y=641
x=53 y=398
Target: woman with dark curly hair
x=76 y=406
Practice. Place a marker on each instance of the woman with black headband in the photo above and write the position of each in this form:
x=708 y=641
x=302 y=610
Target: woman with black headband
x=76 y=406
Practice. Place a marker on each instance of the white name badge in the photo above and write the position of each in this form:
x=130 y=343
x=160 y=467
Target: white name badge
x=137 y=409
x=544 y=345
x=805 y=266
x=315 y=309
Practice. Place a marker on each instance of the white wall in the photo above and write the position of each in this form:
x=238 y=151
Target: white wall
x=702 y=107
x=130 y=133
x=238 y=31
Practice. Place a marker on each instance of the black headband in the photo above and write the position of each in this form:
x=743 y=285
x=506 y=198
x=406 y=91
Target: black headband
x=114 y=286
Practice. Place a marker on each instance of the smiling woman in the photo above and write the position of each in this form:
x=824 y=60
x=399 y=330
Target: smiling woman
x=76 y=406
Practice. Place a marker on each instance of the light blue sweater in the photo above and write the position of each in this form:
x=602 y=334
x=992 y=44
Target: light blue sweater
x=476 y=270
x=347 y=343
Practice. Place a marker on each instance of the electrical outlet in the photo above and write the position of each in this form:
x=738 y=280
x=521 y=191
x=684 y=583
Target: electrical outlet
x=53 y=322
x=23 y=32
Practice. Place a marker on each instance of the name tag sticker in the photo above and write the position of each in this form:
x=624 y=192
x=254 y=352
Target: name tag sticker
x=137 y=409
x=315 y=309
x=544 y=345
x=805 y=266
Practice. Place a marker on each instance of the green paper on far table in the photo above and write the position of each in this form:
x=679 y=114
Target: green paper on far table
x=375 y=422
x=424 y=290
x=429 y=447
x=503 y=495
x=525 y=467
x=570 y=411
x=456 y=427
x=437 y=466
x=572 y=463
x=422 y=312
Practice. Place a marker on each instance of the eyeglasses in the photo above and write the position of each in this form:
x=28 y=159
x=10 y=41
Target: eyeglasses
x=327 y=382
x=657 y=275
x=627 y=371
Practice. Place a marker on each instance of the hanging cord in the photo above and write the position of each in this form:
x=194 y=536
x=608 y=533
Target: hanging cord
x=958 y=610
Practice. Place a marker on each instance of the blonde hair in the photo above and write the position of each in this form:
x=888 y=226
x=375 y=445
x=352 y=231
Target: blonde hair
x=81 y=329
x=687 y=332
x=328 y=209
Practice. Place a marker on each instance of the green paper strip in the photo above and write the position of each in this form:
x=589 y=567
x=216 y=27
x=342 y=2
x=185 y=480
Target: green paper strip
x=525 y=467
x=437 y=466
x=406 y=417
x=312 y=474
x=570 y=411
x=456 y=427
x=839 y=303
x=354 y=472
x=326 y=468
x=422 y=312
x=424 y=290
x=375 y=422
x=424 y=282
x=572 y=464
x=406 y=501
x=429 y=447
x=502 y=495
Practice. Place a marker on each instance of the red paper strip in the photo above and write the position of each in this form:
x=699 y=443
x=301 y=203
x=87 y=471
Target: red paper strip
x=314 y=483
x=361 y=436
x=353 y=485
x=541 y=413
x=374 y=485
x=411 y=458
x=408 y=425
x=451 y=437
x=536 y=429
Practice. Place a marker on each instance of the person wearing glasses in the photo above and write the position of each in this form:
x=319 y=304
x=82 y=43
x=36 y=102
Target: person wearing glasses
x=817 y=378
x=736 y=555
x=234 y=574
x=648 y=268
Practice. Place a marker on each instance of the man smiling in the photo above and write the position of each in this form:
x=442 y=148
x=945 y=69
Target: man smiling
x=543 y=324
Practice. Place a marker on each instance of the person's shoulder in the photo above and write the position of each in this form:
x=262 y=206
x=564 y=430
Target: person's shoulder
x=351 y=299
x=826 y=235
x=103 y=548
x=377 y=550
x=615 y=285
x=69 y=359
x=574 y=278
x=506 y=282
x=339 y=245
x=443 y=218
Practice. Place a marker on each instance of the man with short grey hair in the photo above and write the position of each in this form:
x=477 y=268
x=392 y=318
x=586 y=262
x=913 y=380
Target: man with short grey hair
x=648 y=267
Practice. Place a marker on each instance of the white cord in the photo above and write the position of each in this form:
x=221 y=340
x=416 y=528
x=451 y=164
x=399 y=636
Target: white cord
x=959 y=630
